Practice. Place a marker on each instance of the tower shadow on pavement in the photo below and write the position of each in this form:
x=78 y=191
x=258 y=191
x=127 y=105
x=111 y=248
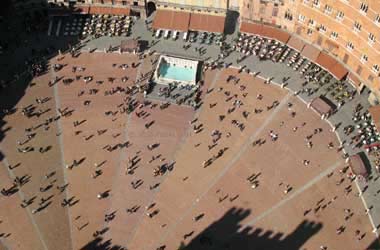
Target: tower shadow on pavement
x=25 y=23
x=227 y=234
x=99 y=244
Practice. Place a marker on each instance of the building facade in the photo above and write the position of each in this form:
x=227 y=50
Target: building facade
x=349 y=30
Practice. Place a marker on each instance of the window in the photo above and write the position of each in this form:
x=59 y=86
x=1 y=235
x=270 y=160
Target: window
x=262 y=10
x=299 y=30
x=275 y=12
x=288 y=15
x=306 y=1
x=363 y=8
x=371 y=39
x=124 y=2
x=334 y=35
x=376 y=68
x=357 y=27
x=309 y=32
x=135 y=3
x=301 y=18
x=322 y=28
x=350 y=46
x=340 y=15
x=316 y=3
x=359 y=70
x=370 y=78
x=312 y=23
x=319 y=40
x=377 y=19
x=345 y=58
x=364 y=58
x=328 y=9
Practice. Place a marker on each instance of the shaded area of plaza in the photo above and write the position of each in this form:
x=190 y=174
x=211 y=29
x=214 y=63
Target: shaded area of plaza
x=25 y=44
x=226 y=233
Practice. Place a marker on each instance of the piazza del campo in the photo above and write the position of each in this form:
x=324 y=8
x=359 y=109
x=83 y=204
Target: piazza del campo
x=192 y=125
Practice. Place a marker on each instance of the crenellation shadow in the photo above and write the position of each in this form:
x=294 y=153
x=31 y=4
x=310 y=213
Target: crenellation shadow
x=228 y=233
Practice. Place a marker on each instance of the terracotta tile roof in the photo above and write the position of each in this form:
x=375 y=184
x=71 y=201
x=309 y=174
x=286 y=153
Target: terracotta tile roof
x=310 y=52
x=331 y=65
x=162 y=20
x=204 y=22
x=296 y=43
x=338 y=71
x=180 y=21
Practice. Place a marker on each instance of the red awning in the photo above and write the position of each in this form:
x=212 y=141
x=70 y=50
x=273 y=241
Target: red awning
x=171 y=20
x=357 y=166
x=209 y=23
x=183 y=21
x=296 y=43
x=321 y=106
x=109 y=11
x=252 y=28
x=331 y=65
x=338 y=71
x=375 y=114
x=274 y=33
x=310 y=52
x=325 y=61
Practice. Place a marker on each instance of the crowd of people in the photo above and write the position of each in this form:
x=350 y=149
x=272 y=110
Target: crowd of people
x=135 y=105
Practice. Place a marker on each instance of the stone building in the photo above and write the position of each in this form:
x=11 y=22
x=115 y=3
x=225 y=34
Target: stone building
x=348 y=30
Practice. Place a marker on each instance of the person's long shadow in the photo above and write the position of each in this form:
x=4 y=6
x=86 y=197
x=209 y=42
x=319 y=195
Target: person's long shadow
x=227 y=233
x=13 y=88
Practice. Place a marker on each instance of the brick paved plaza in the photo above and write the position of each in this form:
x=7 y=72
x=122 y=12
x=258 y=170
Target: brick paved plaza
x=191 y=204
